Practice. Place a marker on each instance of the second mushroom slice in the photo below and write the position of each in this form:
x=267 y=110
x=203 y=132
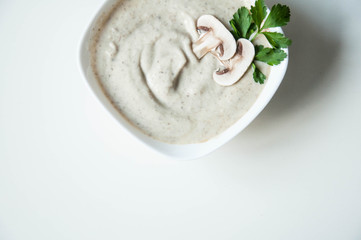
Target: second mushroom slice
x=236 y=66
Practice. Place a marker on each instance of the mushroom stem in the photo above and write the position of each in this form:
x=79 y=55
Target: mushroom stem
x=225 y=63
x=205 y=44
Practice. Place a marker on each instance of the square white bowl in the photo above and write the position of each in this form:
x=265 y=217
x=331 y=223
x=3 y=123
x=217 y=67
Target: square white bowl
x=179 y=151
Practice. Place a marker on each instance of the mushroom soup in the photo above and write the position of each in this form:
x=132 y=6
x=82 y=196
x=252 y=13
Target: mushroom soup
x=150 y=63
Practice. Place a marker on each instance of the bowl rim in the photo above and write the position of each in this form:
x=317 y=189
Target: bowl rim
x=176 y=151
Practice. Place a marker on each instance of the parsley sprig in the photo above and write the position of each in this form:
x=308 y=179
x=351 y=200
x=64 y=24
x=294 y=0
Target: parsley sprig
x=250 y=23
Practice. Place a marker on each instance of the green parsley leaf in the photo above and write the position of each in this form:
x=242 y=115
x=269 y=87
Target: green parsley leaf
x=258 y=48
x=278 y=17
x=259 y=12
x=236 y=34
x=245 y=20
x=277 y=40
x=241 y=22
x=251 y=30
x=271 y=56
x=258 y=76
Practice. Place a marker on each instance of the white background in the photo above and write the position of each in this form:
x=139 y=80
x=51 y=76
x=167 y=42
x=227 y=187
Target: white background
x=68 y=171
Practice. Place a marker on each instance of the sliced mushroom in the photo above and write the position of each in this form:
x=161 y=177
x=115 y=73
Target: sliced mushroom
x=214 y=36
x=236 y=66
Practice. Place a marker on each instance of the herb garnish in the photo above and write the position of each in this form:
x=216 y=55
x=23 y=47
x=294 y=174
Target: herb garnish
x=248 y=24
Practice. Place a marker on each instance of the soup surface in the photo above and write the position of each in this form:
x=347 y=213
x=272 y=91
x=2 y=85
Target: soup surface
x=141 y=53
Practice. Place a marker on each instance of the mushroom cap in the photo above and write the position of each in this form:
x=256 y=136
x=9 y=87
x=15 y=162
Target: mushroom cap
x=220 y=32
x=238 y=65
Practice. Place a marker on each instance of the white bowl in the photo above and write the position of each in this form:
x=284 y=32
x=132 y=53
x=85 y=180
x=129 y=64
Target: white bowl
x=187 y=151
